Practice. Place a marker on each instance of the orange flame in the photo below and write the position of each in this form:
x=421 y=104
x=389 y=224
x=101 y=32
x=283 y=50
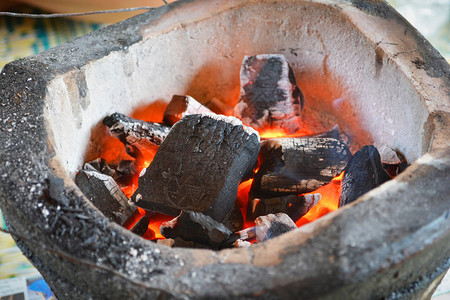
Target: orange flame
x=329 y=202
x=112 y=150
x=270 y=133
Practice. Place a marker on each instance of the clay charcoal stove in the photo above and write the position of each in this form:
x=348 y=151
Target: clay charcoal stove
x=355 y=69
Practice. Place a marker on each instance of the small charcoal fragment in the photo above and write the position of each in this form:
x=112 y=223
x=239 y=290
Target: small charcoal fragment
x=241 y=244
x=101 y=166
x=141 y=226
x=363 y=173
x=388 y=155
x=269 y=96
x=273 y=225
x=199 y=228
x=393 y=161
x=199 y=166
x=181 y=106
x=298 y=165
x=295 y=206
x=105 y=194
x=219 y=107
x=140 y=138
x=267 y=227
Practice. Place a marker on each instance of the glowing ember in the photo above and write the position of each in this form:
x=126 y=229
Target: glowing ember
x=329 y=202
x=270 y=133
x=112 y=152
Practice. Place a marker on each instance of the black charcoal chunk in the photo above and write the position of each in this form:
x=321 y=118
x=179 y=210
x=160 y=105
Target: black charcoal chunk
x=198 y=167
x=363 y=173
x=181 y=106
x=105 y=195
x=140 y=138
x=199 y=228
x=269 y=96
x=298 y=165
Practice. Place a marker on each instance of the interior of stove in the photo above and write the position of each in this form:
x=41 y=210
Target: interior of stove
x=195 y=175
x=360 y=92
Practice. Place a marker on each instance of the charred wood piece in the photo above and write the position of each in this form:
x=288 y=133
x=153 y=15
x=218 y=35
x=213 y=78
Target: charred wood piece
x=298 y=165
x=241 y=244
x=181 y=106
x=199 y=228
x=141 y=226
x=388 y=155
x=219 y=107
x=123 y=173
x=101 y=166
x=269 y=96
x=267 y=227
x=199 y=166
x=140 y=138
x=126 y=172
x=295 y=206
x=393 y=161
x=105 y=194
x=363 y=173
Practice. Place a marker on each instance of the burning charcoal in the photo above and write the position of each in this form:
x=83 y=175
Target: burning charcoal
x=126 y=167
x=101 y=166
x=363 y=173
x=140 y=138
x=295 y=206
x=267 y=227
x=273 y=225
x=393 y=161
x=241 y=244
x=198 y=167
x=105 y=194
x=247 y=234
x=125 y=175
x=141 y=226
x=199 y=228
x=219 y=107
x=270 y=96
x=181 y=106
x=235 y=221
x=298 y=165
x=388 y=155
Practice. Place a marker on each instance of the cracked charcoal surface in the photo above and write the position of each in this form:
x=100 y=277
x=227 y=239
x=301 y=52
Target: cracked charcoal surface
x=298 y=165
x=140 y=138
x=199 y=228
x=198 y=167
x=269 y=93
x=363 y=173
